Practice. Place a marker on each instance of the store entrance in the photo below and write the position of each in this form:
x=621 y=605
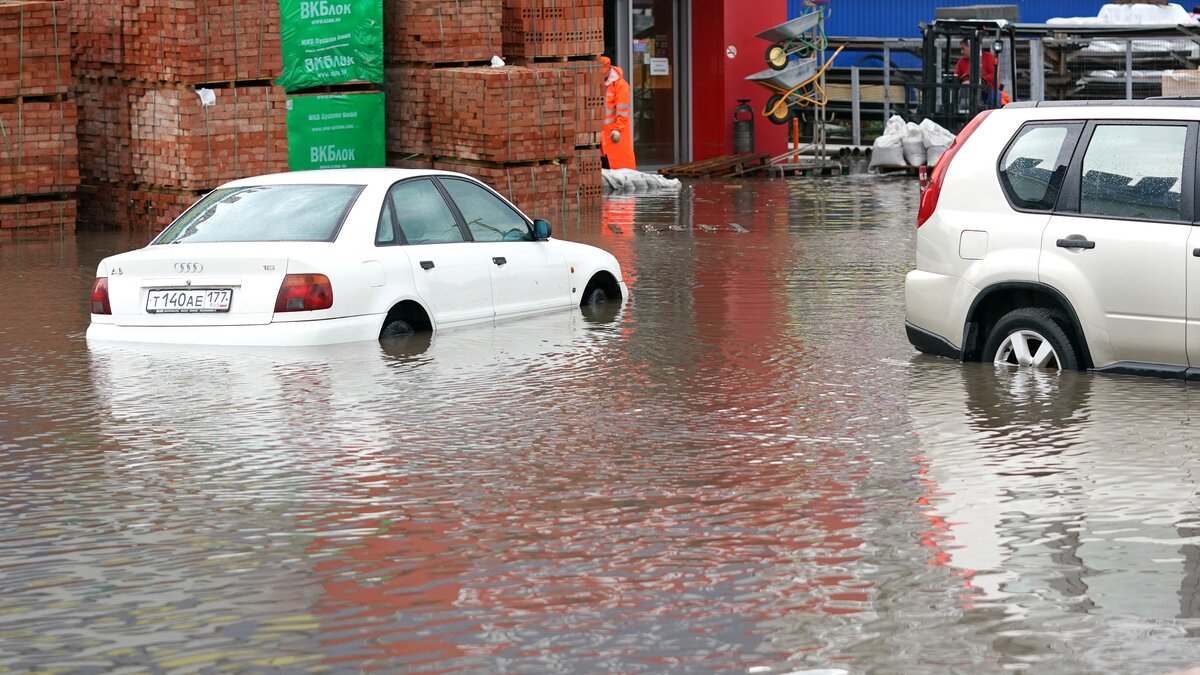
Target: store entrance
x=647 y=39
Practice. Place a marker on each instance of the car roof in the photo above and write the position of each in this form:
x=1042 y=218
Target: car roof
x=374 y=176
x=1158 y=102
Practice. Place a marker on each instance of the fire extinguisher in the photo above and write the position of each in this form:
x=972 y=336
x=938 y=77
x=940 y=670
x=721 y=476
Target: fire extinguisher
x=743 y=127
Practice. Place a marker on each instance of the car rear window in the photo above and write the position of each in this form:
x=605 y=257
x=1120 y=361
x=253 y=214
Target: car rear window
x=264 y=213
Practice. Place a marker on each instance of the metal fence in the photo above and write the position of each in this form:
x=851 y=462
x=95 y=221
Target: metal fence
x=869 y=84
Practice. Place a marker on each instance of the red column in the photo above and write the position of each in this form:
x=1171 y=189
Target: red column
x=721 y=28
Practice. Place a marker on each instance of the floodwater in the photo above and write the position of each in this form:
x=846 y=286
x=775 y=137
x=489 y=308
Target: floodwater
x=742 y=469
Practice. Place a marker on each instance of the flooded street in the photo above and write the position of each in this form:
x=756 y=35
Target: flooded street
x=745 y=468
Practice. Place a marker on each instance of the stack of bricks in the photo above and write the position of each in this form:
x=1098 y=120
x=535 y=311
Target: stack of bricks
x=545 y=28
x=422 y=37
x=525 y=130
x=39 y=157
x=150 y=144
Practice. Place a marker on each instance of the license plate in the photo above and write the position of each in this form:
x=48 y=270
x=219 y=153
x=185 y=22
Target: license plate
x=189 y=300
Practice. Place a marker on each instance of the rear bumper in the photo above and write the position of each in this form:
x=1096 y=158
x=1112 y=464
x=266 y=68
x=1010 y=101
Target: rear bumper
x=930 y=343
x=284 y=334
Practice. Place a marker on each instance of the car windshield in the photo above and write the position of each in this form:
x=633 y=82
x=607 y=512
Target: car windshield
x=264 y=213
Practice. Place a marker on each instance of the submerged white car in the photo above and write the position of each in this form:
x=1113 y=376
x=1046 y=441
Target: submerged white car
x=322 y=257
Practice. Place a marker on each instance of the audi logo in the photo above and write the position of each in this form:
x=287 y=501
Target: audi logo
x=189 y=268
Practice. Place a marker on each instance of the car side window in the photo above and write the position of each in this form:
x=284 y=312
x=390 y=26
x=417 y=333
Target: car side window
x=421 y=214
x=385 y=232
x=1133 y=171
x=487 y=216
x=1033 y=167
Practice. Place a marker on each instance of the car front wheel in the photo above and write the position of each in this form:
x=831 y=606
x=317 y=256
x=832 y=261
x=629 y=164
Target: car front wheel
x=1032 y=337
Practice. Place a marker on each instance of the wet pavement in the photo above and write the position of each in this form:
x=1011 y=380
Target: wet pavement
x=743 y=469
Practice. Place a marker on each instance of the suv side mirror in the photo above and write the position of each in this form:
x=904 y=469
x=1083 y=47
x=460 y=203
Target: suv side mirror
x=541 y=229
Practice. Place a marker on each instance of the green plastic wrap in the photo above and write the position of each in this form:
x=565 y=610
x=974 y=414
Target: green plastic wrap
x=330 y=42
x=336 y=131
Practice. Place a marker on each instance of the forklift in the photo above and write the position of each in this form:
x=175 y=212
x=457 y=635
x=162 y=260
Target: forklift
x=946 y=98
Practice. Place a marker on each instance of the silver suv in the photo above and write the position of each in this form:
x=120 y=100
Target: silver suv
x=1063 y=235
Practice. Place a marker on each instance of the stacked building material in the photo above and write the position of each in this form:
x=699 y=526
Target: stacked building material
x=502 y=115
x=552 y=28
x=175 y=97
x=524 y=130
x=186 y=41
x=437 y=32
x=39 y=157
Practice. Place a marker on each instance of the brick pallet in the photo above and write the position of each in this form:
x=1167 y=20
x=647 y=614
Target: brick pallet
x=37 y=219
x=585 y=82
x=183 y=41
x=120 y=207
x=590 y=181
x=435 y=31
x=35 y=54
x=501 y=115
x=38 y=151
x=164 y=137
x=406 y=97
x=540 y=190
x=552 y=28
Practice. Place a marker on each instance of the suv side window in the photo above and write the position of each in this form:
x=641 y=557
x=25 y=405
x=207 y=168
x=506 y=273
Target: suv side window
x=421 y=213
x=1134 y=171
x=1035 y=163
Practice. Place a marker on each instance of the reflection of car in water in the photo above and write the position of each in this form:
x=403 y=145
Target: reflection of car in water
x=216 y=398
x=1060 y=489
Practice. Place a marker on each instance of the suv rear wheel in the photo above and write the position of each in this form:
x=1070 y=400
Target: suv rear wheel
x=1032 y=337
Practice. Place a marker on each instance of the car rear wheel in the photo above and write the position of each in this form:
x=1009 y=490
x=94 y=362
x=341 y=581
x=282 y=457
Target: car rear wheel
x=1032 y=337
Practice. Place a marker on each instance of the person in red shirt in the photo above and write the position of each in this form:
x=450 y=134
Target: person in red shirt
x=987 y=69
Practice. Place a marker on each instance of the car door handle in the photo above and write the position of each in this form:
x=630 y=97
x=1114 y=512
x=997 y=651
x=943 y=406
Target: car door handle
x=1196 y=252
x=1075 y=243
x=426 y=264
x=500 y=260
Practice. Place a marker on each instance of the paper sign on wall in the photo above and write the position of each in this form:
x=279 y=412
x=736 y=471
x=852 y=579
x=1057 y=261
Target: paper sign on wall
x=660 y=66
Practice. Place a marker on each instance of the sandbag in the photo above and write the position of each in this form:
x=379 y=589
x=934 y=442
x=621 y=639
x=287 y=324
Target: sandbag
x=886 y=155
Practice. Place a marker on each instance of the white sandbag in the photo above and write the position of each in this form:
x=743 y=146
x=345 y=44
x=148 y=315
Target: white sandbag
x=934 y=152
x=895 y=126
x=886 y=155
x=934 y=134
x=913 y=145
x=632 y=180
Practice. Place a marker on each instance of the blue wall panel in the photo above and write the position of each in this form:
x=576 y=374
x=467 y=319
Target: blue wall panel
x=889 y=18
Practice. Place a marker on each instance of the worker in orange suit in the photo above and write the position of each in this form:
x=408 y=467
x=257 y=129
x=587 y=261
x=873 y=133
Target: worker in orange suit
x=617 y=141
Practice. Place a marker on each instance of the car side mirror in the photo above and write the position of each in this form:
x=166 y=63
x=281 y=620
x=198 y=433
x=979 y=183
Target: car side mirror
x=541 y=229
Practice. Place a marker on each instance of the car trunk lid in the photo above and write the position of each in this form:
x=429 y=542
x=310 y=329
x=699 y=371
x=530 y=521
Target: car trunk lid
x=195 y=285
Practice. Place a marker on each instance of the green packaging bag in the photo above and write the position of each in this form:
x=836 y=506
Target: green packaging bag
x=330 y=42
x=336 y=131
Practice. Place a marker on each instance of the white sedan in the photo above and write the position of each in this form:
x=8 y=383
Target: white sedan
x=321 y=257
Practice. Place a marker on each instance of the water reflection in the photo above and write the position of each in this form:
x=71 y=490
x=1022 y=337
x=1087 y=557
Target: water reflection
x=1074 y=492
x=743 y=466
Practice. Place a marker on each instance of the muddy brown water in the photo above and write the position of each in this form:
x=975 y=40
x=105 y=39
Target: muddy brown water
x=742 y=469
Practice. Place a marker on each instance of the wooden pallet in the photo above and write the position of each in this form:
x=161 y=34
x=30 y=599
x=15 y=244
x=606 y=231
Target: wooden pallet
x=716 y=167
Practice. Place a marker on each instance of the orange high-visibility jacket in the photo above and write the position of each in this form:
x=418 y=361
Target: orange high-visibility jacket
x=617 y=117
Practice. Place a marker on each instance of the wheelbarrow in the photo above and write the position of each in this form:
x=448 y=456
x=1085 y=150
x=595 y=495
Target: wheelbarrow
x=798 y=86
x=794 y=38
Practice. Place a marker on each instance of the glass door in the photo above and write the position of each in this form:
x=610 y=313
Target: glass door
x=654 y=75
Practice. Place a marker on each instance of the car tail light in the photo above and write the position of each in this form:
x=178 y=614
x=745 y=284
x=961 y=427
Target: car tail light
x=100 y=304
x=304 y=293
x=929 y=198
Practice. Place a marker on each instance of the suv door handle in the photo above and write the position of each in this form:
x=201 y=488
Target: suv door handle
x=426 y=264
x=1075 y=243
x=500 y=260
x=1196 y=252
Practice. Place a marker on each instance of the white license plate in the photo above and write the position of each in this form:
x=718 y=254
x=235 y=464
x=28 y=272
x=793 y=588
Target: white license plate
x=189 y=300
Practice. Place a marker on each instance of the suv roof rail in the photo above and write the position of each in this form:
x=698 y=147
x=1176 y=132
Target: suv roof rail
x=1155 y=102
